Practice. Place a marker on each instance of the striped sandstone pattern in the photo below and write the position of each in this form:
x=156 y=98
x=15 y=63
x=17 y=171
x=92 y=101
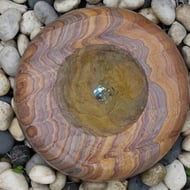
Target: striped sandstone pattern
x=69 y=149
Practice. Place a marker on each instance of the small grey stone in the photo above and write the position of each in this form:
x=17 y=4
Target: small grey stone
x=44 y=12
x=19 y=155
x=6 y=142
x=4 y=84
x=183 y=15
x=71 y=186
x=31 y=3
x=34 y=160
x=154 y=175
x=135 y=183
x=9 y=60
x=186 y=40
x=93 y=1
x=22 y=43
x=177 y=32
x=9 y=24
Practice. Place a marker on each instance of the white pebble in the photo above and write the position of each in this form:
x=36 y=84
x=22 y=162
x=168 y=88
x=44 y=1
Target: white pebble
x=45 y=12
x=35 y=32
x=37 y=186
x=62 y=6
x=9 y=60
x=10 y=180
x=29 y=22
x=42 y=174
x=186 y=143
x=111 y=3
x=149 y=14
x=22 y=43
x=177 y=32
x=184 y=158
x=116 y=185
x=175 y=178
x=7 y=4
x=4 y=84
x=34 y=160
x=11 y=80
x=19 y=1
x=16 y=131
x=164 y=10
x=4 y=166
x=6 y=115
x=59 y=183
x=183 y=15
x=93 y=186
x=93 y=1
x=132 y=5
x=186 y=40
x=186 y=127
x=160 y=186
x=13 y=104
x=186 y=55
x=9 y=24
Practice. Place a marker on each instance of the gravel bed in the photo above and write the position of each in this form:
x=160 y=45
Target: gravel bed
x=20 y=167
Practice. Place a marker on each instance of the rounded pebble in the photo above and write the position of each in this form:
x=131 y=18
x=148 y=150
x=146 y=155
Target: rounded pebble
x=42 y=174
x=35 y=32
x=186 y=55
x=37 y=186
x=10 y=180
x=183 y=16
x=116 y=185
x=132 y=5
x=9 y=43
x=186 y=40
x=19 y=155
x=9 y=60
x=44 y=12
x=72 y=186
x=4 y=166
x=16 y=131
x=93 y=1
x=160 y=186
x=177 y=32
x=29 y=22
x=7 y=4
x=186 y=127
x=184 y=158
x=93 y=186
x=31 y=3
x=149 y=14
x=186 y=143
x=175 y=178
x=6 y=115
x=62 y=6
x=11 y=80
x=135 y=183
x=59 y=183
x=22 y=43
x=19 y=1
x=9 y=24
x=111 y=3
x=164 y=10
x=4 y=84
x=34 y=160
x=154 y=175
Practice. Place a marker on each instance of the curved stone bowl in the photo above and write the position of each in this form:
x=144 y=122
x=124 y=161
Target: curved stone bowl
x=101 y=93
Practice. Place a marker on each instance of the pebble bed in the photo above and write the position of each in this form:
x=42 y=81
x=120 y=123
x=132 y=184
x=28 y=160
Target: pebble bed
x=20 y=167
